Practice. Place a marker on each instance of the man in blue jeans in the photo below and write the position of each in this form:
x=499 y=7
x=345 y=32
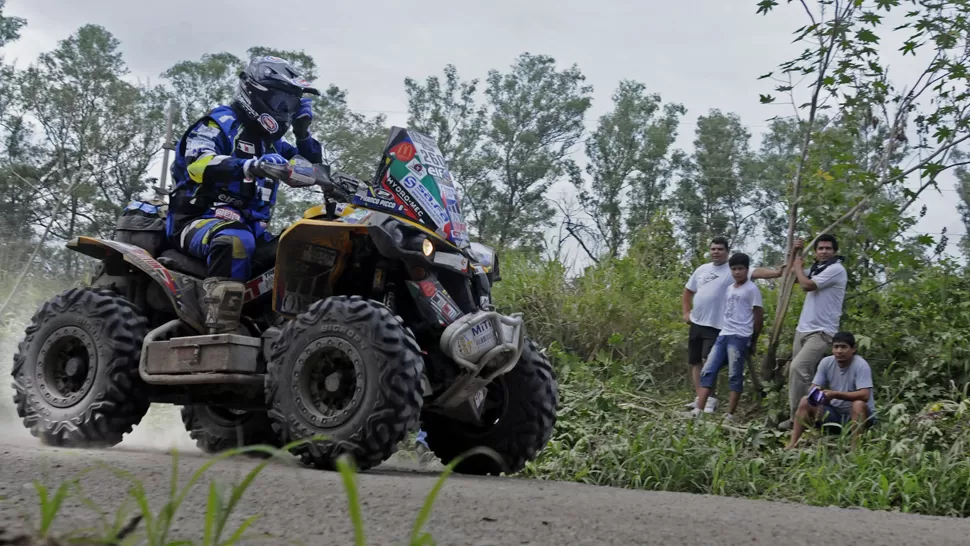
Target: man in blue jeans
x=743 y=320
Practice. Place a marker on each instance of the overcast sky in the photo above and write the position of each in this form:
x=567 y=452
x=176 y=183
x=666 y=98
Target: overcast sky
x=702 y=53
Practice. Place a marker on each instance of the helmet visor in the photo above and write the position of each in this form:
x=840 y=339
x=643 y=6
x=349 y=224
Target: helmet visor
x=283 y=103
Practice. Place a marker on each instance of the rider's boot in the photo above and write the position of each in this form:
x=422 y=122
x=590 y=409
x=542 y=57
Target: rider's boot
x=223 y=302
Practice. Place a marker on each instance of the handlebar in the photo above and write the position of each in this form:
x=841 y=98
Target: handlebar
x=300 y=173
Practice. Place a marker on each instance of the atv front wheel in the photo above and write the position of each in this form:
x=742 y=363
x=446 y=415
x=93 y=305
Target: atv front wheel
x=216 y=429
x=75 y=373
x=347 y=369
x=519 y=415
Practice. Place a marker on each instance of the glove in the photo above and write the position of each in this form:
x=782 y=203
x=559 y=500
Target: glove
x=254 y=168
x=301 y=122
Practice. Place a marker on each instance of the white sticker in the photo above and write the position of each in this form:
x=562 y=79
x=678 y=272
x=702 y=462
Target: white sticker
x=428 y=150
x=416 y=168
x=455 y=261
x=426 y=200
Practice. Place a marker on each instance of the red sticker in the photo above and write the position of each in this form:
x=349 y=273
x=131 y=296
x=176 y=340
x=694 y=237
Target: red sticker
x=404 y=151
x=428 y=288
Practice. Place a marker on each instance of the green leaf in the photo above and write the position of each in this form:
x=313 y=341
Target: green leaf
x=344 y=466
x=764 y=6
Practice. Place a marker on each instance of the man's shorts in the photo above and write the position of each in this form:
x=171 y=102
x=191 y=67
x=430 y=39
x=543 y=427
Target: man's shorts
x=699 y=343
x=833 y=420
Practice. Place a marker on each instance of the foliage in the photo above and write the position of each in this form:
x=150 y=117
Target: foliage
x=222 y=502
x=630 y=154
x=609 y=433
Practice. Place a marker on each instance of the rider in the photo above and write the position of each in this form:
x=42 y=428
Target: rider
x=221 y=202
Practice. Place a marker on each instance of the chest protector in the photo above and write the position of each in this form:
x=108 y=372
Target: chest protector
x=254 y=201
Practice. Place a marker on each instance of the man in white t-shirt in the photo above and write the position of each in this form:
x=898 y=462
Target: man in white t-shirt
x=742 y=321
x=702 y=305
x=825 y=282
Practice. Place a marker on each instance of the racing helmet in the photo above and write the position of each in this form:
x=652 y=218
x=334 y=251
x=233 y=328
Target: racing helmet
x=269 y=92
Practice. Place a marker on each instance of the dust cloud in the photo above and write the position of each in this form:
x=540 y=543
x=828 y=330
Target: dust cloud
x=160 y=430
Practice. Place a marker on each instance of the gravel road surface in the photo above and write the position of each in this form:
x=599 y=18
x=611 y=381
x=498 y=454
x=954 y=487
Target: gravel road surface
x=310 y=507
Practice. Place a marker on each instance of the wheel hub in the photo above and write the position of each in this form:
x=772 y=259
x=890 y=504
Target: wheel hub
x=329 y=381
x=66 y=366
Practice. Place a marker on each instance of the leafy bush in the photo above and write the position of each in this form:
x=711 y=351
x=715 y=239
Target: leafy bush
x=610 y=434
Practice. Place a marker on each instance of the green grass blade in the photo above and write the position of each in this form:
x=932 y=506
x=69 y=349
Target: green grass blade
x=213 y=511
x=347 y=474
x=51 y=506
x=237 y=536
x=429 y=501
x=237 y=493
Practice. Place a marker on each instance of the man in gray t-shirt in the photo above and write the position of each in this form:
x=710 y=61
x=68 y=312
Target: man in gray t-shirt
x=848 y=392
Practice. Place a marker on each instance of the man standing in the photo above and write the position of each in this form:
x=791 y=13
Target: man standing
x=825 y=283
x=702 y=305
x=848 y=396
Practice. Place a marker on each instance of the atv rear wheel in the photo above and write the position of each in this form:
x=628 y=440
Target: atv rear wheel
x=348 y=369
x=75 y=372
x=216 y=429
x=519 y=416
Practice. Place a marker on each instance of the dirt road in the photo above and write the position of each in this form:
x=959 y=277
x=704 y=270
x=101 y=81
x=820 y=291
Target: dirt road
x=310 y=506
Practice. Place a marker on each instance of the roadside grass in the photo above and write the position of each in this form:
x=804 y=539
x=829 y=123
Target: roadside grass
x=135 y=522
x=612 y=432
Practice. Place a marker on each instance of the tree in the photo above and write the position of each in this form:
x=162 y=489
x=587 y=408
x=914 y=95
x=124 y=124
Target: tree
x=536 y=118
x=717 y=194
x=9 y=26
x=847 y=76
x=99 y=132
x=630 y=163
x=450 y=115
x=199 y=86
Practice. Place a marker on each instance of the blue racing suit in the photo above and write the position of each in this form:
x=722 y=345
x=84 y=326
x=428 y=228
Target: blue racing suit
x=215 y=213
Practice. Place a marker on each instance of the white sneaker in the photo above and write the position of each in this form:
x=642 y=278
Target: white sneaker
x=729 y=418
x=696 y=413
x=693 y=404
x=711 y=405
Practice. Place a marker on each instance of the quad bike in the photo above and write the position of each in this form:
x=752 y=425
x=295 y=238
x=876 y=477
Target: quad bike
x=375 y=317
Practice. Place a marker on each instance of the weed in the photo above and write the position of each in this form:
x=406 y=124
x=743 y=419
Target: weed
x=221 y=503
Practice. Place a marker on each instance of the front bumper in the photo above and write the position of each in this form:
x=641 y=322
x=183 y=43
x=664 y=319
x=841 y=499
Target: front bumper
x=486 y=344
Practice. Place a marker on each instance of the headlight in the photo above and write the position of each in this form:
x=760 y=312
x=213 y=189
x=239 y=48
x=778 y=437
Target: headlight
x=427 y=247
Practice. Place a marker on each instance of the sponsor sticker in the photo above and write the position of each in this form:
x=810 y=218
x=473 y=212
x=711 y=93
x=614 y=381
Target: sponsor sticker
x=428 y=202
x=404 y=151
x=386 y=204
x=246 y=147
x=319 y=255
x=454 y=261
x=228 y=214
x=409 y=200
x=259 y=286
x=269 y=123
x=417 y=169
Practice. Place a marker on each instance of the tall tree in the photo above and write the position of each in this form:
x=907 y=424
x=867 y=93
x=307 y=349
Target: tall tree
x=200 y=85
x=9 y=26
x=448 y=112
x=846 y=75
x=536 y=118
x=717 y=191
x=630 y=163
x=99 y=132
